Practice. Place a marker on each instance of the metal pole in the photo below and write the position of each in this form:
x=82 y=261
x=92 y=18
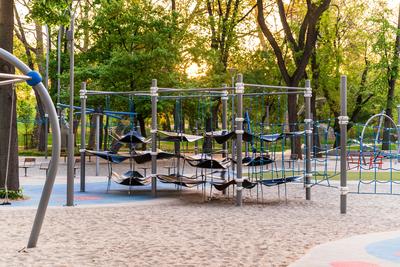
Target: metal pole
x=398 y=128
x=56 y=147
x=308 y=121
x=224 y=100
x=83 y=135
x=239 y=135
x=46 y=78
x=46 y=134
x=70 y=162
x=97 y=142
x=177 y=126
x=233 y=151
x=398 y=114
x=154 y=96
x=343 y=121
x=60 y=34
x=246 y=129
x=196 y=143
x=267 y=128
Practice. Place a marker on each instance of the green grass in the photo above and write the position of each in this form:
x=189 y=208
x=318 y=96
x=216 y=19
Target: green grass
x=366 y=175
x=351 y=175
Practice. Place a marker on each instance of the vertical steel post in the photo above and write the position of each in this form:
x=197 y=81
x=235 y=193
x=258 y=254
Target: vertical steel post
x=224 y=100
x=177 y=126
x=398 y=131
x=70 y=162
x=46 y=84
x=267 y=121
x=154 y=96
x=46 y=134
x=97 y=142
x=60 y=34
x=343 y=121
x=83 y=136
x=398 y=114
x=196 y=132
x=239 y=135
x=308 y=148
x=233 y=151
x=46 y=77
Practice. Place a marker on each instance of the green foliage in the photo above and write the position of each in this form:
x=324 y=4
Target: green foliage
x=383 y=47
x=14 y=195
x=344 y=47
x=133 y=43
x=121 y=45
x=25 y=112
x=51 y=12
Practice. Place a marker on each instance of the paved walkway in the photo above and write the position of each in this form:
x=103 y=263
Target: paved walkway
x=371 y=250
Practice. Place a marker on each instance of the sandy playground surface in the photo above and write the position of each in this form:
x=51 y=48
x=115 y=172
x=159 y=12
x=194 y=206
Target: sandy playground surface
x=184 y=231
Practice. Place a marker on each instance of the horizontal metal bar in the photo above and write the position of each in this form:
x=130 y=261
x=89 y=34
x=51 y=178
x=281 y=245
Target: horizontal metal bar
x=11 y=81
x=60 y=105
x=133 y=93
x=273 y=93
x=166 y=90
x=274 y=86
x=14 y=76
x=107 y=112
x=119 y=112
x=187 y=96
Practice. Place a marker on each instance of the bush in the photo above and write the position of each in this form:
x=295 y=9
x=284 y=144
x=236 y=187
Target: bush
x=11 y=194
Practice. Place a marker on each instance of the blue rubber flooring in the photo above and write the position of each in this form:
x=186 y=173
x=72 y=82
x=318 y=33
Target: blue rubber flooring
x=386 y=249
x=96 y=193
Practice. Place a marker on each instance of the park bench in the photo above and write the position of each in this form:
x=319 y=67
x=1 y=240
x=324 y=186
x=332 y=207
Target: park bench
x=28 y=163
x=44 y=166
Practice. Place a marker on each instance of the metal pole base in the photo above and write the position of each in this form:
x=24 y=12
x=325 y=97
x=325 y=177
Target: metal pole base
x=343 y=204
x=239 y=200
x=154 y=187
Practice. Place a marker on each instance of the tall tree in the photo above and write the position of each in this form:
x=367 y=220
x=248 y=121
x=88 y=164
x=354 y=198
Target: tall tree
x=7 y=103
x=33 y=55
x=301 y=46
x=343 y=46
x=125 y=35
x=392 y=73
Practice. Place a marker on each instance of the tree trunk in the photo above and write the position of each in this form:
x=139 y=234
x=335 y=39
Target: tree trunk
x=215 y=110
x=301 y=48
x=75 y=129
x=168 y=122
x=39 y=132
x=92 y=131
x=393 y=72
x=86 y=30
x=173 y=5
x=389 y=111
x=8 y=103
x=293 y=120
x=142 y=127
x=207 y=145
x=38 y=138
x=105 y=134
x=315 y=85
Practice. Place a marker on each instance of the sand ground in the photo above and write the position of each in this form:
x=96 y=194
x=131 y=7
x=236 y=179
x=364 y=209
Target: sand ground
x=182 y=230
